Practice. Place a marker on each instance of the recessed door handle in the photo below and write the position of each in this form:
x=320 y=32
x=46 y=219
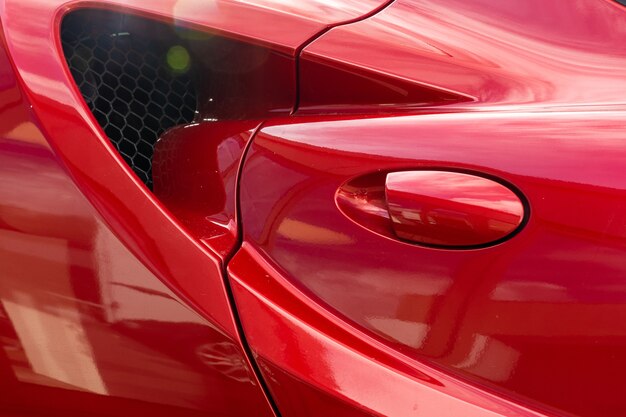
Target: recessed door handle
x=451 y=209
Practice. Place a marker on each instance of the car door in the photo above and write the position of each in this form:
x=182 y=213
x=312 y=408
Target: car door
x=366 y=284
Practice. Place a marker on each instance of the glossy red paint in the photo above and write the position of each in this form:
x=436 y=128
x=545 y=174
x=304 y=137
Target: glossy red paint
x=528 y=52
x=451 y=209
x=316 y=364
x=292 y=23
x=478 y=314
x=195 y=171
x=85 y=327
x=515 y=319
x=114 y=301
x=110 y=305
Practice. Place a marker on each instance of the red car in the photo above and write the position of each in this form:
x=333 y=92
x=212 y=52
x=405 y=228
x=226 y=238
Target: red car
x=279 y=208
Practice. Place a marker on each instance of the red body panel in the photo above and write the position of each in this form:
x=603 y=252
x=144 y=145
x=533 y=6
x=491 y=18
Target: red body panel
x=316 y=364
x=537 y=318
x=113 y=300
x=109 y=306
x=526 y=318
x=527 y=52
x=85 y=327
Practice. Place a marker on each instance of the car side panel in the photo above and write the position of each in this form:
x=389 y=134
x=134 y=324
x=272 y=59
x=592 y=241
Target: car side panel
x=537 y=318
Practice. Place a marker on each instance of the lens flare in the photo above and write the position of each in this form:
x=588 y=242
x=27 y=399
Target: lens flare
x=178 y=59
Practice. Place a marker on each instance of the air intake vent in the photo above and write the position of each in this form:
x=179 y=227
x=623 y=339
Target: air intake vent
x=136 y=77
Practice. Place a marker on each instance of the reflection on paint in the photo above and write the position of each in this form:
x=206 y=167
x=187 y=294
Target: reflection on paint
x=490 y=359
x=80 y=314
x=55 y=344
x=410 y=333
x=305 y=232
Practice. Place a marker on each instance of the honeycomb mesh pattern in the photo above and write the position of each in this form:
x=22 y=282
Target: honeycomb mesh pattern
x=119 y=65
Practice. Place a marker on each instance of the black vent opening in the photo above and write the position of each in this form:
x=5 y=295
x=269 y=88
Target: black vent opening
x=135 y=75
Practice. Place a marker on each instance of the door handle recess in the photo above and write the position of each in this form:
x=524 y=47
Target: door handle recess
x=437 y=208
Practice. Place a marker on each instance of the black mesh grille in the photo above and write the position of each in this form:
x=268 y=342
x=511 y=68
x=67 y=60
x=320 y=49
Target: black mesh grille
x=119 y=64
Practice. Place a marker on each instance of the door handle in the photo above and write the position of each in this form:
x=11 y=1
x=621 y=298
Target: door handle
x=453 y=209
x=437 y=208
